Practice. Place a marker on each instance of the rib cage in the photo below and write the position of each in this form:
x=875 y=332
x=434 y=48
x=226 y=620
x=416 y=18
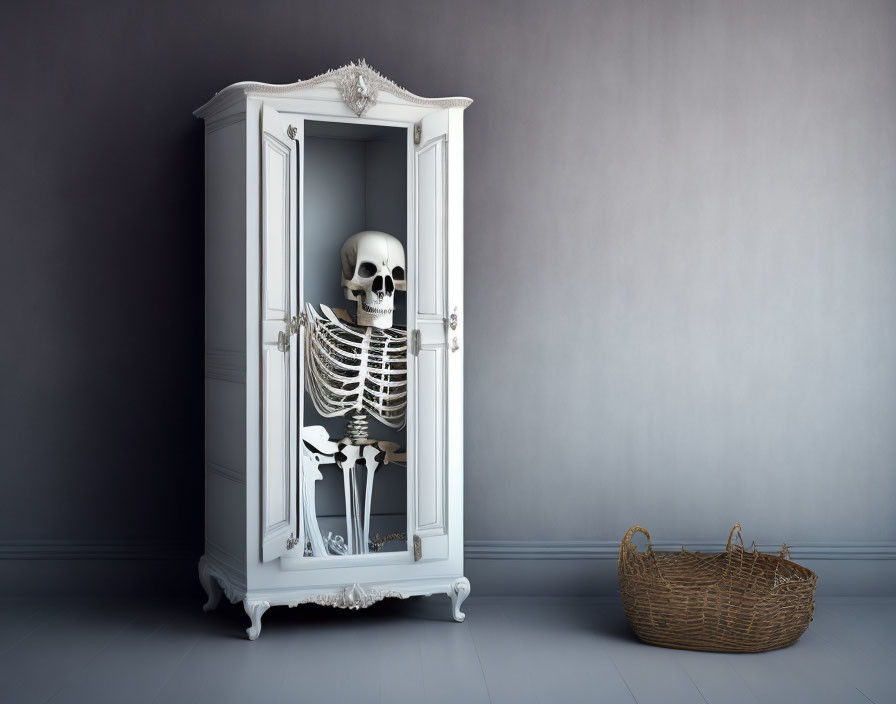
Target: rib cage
x=351 y=369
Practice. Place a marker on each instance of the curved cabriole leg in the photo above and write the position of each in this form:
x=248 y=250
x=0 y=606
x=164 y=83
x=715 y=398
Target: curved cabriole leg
x=210 y=584
x=255 y=610
x=460 y=590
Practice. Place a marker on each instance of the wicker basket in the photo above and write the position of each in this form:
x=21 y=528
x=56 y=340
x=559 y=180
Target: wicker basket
x=737 y=601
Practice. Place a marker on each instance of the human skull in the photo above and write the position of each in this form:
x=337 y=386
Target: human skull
x=372 y=270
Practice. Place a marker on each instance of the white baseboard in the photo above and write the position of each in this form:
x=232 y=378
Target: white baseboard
x=609 y=550
x=94 y=550
x=494 y=567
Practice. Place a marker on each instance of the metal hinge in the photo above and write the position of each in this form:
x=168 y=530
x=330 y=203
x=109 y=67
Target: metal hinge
x=292 y=328
x=418 y=132
x=296 y=322
x=415 y=342
x=291 y=541
x=418 y=549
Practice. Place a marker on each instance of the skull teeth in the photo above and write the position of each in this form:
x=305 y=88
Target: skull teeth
x=376 y=311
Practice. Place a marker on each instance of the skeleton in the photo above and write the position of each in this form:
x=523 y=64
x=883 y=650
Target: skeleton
x=355 y=370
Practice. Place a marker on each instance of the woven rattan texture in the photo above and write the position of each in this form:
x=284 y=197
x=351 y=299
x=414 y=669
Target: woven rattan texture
x=740 y=601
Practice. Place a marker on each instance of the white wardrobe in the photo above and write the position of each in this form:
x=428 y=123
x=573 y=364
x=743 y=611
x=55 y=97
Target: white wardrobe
x=291 y=171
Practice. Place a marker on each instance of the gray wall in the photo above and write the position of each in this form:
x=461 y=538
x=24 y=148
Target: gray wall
x=680 y=257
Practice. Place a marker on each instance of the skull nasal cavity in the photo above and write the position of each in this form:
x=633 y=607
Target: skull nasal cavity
x=390 y=287
x=377 y=284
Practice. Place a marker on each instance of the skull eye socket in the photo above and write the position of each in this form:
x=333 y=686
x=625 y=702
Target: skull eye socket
x=366 y=269
x=398 y=273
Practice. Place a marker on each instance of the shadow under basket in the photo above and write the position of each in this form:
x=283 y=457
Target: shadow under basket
x=738 y=601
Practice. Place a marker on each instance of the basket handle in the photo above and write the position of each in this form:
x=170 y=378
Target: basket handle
x=785 y=552
x=627 y=540
x=736 y=528
x=626 y=547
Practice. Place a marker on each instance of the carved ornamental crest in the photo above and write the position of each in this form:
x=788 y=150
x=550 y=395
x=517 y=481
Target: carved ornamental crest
x=360 y=86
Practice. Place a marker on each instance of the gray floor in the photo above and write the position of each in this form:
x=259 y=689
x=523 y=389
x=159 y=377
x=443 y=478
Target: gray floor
x=508 y=650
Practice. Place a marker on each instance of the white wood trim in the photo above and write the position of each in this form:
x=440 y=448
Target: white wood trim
x=341 y=562
x=219 y=106
x=252 y=313
x=436 y=503
x=609 y=550
x=327 y=87
x=430 y=516
x=279 y=185
x=219 y=123
x=61 y=549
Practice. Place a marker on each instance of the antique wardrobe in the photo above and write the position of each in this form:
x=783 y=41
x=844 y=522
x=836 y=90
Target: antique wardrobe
x=291 y=172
